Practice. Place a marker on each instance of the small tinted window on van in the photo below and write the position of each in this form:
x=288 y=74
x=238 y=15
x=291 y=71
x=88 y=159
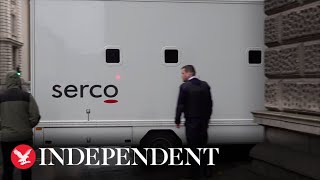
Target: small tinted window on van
x=255 y=57
x=113 y=56
x=171 y=56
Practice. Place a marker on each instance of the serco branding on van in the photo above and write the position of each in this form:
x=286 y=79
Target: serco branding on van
x=95 y=91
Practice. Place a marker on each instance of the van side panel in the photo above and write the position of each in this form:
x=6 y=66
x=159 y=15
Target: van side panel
x=74 y=85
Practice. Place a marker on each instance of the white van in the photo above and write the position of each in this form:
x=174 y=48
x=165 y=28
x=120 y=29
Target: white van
x=108 y=72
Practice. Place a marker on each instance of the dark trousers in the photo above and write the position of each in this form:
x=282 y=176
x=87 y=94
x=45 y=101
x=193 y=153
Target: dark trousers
x=197 y=137
x=8 y=167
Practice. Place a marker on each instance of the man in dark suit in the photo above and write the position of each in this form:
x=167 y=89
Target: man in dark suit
x=196 y=103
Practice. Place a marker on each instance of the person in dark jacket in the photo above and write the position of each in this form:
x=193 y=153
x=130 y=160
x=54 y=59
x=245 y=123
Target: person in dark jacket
x=195 y=102
x=19 y=113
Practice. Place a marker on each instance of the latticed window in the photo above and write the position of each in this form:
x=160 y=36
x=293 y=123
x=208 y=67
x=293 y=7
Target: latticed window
x=13 y=25
x=14 y=57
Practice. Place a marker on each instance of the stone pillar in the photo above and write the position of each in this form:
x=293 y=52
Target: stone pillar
x=292 y=92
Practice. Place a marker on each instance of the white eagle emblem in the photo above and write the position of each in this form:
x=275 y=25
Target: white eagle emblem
x=22 y=158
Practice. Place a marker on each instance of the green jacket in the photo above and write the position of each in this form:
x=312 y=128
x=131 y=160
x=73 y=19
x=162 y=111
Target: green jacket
x=19 y=111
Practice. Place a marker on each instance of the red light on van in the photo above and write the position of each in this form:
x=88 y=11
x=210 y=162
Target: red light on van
x=110 y=101
x=118 y=77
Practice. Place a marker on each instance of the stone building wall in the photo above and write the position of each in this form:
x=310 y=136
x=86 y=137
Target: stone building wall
x=292 y=92
x=10 y=36
x=292 y=59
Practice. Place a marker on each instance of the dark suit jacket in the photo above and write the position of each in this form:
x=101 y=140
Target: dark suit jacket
x=194 y=100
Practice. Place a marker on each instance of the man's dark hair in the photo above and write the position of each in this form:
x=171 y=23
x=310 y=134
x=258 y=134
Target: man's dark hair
x=189 y=68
